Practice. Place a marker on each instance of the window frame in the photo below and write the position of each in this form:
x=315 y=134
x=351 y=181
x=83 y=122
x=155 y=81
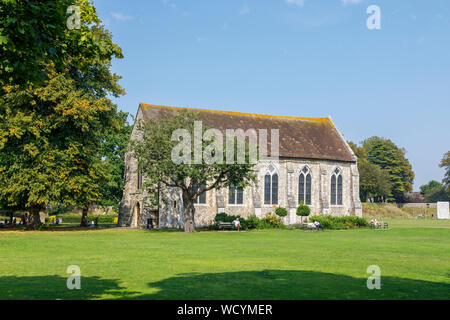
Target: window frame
x=305 y=186
x=337 y=197
x=235 y=190
x=140 y=180
x=274 y=188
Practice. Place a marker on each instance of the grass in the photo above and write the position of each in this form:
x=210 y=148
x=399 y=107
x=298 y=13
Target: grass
x=414 y=257
x=392 y=210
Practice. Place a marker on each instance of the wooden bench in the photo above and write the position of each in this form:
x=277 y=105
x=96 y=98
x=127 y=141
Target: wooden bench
x=226 y=225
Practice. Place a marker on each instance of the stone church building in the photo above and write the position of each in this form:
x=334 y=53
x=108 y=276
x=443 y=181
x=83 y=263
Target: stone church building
x=316 y=166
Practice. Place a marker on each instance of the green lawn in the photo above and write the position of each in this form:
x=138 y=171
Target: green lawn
x=414 y=257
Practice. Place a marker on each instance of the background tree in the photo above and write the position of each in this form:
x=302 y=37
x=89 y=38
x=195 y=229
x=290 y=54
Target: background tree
x=154 y=156
x=424 y=189
x=445 y=163
x=113 y=148
x=375 y=183
x=54 y=112
x=434 y=191
x=389 y=157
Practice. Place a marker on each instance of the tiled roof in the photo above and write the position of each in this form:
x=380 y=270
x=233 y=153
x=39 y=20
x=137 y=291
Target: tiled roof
x=308 y=138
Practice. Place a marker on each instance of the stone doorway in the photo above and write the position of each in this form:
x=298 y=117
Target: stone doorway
x=154 y=216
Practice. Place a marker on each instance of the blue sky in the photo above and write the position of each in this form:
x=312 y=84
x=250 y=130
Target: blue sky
x=301 y=58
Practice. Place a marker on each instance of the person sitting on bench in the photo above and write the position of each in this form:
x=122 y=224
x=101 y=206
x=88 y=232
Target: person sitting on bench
x=318 y=225
x=237 y=224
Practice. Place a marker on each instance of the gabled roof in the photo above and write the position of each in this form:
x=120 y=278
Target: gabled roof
x=308 y=138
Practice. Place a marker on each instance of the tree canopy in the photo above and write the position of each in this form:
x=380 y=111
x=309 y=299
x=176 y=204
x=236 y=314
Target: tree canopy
x=113 y=148
x=384 y=153
x=434 y=191
x=385 y=173
x=55 y=104
x=35 y=33
x=445 y=163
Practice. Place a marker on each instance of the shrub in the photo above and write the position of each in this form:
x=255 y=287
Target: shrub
x=221 y=217
x=281 y=212
x=74 y=218
x=253 y=222
x=303 y=210
x=336 y=223
x=271 y=221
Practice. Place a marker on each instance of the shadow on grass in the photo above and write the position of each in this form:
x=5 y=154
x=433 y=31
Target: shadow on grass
x=245 y=285
x=290 y=285
x=61 y=228
x=55 y=288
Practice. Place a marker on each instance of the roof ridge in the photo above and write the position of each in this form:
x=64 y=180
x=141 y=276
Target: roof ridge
x=323 y=120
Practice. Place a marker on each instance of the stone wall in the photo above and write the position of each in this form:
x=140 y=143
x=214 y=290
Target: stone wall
x=170 y=213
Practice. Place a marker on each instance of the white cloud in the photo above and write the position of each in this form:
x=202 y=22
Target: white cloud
x=345 y=2
x=244 y=10
x=297 y=2
x=120 y=16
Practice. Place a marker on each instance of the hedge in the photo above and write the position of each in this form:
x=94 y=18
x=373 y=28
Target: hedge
x=269 y=222
x=75 y=218
x=335 y=223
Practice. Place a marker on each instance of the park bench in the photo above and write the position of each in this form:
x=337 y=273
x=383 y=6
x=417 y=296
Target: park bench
x=308 y=226
x=226 y=225
x=383 y=225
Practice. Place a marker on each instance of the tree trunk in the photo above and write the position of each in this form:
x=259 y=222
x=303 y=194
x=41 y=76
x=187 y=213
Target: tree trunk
x=189 y=212
x=34 y=219
x=84 y=222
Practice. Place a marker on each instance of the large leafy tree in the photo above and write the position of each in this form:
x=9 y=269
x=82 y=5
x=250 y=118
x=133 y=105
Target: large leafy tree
x=35 y=33
x=375 y=182
x=55 y=110
x=445 y=163
x=391 y=158
x=154 y=155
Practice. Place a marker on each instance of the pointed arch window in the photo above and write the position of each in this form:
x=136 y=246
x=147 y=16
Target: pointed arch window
x=235 y=195
x=336 y=187
x=139 y=179
x=304 y=186
x=271 y=189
